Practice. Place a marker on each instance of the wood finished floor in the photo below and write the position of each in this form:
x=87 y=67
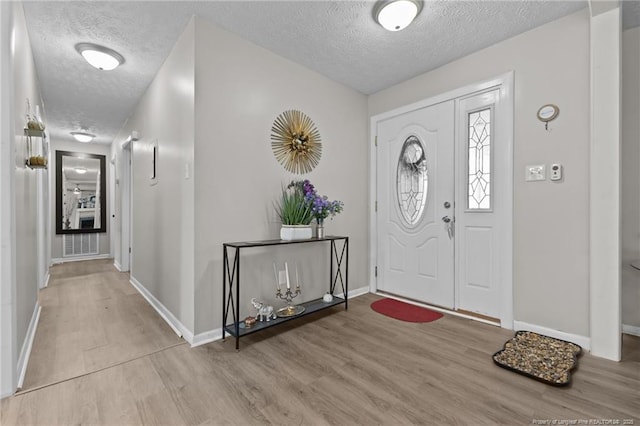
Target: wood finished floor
x=336 y=367
x=91 y=318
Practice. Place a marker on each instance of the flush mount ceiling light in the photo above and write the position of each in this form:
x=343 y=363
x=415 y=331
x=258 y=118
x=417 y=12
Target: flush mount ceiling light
x=100 y=57
x=396 y=15
x=80 y=170
x=83 y=136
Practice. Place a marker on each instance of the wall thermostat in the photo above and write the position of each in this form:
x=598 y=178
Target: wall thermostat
x=556 y=172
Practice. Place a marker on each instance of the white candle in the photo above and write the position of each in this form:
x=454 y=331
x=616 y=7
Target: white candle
x=297 y=278
x=275 y=274
x=286 y=269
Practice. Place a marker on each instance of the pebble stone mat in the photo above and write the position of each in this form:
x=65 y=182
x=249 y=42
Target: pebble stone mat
x=540 y=357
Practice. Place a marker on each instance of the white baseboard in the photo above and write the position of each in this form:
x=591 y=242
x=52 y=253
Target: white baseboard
x=25 y=352
x=355 y=293
x=206 y=337
x=162 y=310
x=117 y=266
x=79 y=258
x=46 y=280
x=631 y=329
x=583 y=341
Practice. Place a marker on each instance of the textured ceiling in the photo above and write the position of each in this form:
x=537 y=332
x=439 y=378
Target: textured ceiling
x=338 y=39
x=630 y=14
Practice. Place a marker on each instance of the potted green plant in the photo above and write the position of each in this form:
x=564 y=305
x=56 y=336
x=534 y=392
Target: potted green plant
x=299 y=204
x=294 y=212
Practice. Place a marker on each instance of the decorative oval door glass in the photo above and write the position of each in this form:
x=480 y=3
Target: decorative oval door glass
x=413 y=180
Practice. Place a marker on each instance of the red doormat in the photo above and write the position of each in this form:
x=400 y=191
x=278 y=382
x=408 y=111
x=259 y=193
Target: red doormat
x=404 y=311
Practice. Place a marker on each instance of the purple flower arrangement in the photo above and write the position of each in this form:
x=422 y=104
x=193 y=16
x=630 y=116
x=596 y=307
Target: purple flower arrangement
x=321 y=207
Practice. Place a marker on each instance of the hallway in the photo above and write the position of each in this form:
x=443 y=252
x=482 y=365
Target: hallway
x=91 y=319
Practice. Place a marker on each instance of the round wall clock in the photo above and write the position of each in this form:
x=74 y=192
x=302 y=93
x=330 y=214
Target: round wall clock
x=295 y=142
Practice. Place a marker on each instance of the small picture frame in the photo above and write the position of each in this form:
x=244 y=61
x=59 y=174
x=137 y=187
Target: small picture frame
x=154 y=163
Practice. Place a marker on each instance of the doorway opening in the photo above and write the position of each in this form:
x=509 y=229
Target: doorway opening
x=126 y=197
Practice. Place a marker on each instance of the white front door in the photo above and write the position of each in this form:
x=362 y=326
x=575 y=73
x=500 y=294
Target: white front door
x=482 y=204
x=415 y=193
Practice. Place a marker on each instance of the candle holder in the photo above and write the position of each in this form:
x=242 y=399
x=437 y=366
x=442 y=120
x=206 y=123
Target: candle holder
x=290 y=310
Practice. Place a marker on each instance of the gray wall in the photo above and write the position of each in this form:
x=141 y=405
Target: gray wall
x=57 y=243
x=240 y=90
x=551 y=221
x=163 y=218
x=19 y=275
x=630 y=179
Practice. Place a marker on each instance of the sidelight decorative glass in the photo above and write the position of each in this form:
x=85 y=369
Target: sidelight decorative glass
x=479 y=168
x=412 y=180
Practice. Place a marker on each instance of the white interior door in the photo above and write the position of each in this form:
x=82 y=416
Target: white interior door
x=415 y=213
x=125 y=203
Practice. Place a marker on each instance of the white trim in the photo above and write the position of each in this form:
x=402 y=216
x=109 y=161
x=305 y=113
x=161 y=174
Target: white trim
x=112 y=202
x=506 y=84
x=186 y=334
x=373 y=195
x=206 y=337
x=631 y=329
x=507 y=96
x=126 y=203
x=117 y=266
x=25 y=353
x=47 y=277
x=42 y=216
x=583 y=341
x=464 y=91
x=355 y=293
x=7 y=217
x=162 y=310
x=58 y=260
x=604 y=187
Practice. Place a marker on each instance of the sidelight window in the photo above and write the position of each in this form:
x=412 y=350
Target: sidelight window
x=479 y=164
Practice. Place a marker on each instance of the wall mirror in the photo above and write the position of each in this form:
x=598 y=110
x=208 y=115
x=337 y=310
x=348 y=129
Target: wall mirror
x=80 y=193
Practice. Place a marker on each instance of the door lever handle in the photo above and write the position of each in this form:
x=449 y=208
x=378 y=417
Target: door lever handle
x=449 y=225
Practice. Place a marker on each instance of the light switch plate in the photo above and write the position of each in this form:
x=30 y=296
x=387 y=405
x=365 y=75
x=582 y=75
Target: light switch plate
x=535 y=172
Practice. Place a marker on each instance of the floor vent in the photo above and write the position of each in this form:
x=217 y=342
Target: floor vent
x=80 y=244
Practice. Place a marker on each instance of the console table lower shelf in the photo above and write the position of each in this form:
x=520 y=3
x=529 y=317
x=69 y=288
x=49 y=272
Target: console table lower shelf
x=311 y=307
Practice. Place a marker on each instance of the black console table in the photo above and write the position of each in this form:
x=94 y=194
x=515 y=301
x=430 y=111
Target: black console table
x=339 y=257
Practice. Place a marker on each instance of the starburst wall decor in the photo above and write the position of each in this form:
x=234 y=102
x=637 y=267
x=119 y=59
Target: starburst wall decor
x=295 y=141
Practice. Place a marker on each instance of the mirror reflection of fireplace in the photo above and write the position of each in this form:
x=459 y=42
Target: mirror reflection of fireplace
x=86 y=222
x=80 y=192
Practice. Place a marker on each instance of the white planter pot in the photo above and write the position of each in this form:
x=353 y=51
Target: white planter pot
x=295 y=232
